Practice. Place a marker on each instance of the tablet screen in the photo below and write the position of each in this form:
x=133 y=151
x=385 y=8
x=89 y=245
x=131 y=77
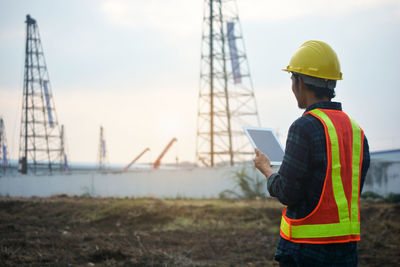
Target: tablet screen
x=265 y=141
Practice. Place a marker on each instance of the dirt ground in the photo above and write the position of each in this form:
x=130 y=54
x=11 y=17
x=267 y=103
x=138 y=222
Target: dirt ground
x=72 y=231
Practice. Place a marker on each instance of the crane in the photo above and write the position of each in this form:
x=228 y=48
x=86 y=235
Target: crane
x=158 y=161
x=135 y=159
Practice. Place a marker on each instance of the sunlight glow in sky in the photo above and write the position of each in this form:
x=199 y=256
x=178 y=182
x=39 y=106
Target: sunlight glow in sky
x=133 y=67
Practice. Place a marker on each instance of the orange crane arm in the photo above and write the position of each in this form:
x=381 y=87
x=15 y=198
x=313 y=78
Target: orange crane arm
x=133 y=161
x=158 y=161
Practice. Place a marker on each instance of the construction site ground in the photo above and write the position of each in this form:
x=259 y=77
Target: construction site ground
x=79 y=231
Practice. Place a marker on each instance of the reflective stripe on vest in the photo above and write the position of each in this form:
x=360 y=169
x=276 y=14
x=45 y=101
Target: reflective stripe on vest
x=344 y=144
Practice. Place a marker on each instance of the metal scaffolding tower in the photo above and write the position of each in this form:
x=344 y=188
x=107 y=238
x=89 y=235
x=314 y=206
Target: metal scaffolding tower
x=40 y=149
x=226 y=95
x=3 y=147
x=63 y=145
x=102 y=155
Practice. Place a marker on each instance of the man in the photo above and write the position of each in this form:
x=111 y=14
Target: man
x=323 y=170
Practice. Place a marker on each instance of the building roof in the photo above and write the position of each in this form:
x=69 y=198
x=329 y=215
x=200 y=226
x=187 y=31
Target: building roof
x=391 y=155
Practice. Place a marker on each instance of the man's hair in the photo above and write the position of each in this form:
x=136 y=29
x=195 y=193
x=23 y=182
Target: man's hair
x=319 y=91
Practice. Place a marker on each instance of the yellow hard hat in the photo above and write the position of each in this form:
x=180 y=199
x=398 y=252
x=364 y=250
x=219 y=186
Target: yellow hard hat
x=317 y=59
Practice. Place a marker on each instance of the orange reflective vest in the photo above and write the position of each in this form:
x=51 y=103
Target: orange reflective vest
x=336 y=218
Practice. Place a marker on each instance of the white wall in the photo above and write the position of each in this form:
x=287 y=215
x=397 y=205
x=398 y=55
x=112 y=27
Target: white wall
x=383 y=178
x=191 y=183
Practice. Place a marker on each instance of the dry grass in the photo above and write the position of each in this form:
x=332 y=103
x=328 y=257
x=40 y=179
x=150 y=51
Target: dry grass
x=135 y=232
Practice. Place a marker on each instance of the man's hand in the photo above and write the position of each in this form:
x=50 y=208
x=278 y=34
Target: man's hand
x=262 y=163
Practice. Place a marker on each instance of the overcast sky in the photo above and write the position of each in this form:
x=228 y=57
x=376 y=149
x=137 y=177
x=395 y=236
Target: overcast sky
x=133 y=67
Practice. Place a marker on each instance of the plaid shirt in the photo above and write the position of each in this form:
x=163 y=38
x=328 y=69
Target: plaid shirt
x=298 y=184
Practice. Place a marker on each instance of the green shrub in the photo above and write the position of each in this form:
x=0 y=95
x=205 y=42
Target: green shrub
x=393 y=198
x=371 y=195
x=251 y=185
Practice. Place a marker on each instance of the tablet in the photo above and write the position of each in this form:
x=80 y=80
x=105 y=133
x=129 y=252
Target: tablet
x=266 y=141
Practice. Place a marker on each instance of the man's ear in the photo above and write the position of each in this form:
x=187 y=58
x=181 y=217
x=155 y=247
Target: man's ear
x=302 y=85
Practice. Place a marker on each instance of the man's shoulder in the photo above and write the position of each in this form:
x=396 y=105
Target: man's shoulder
x=305 y=123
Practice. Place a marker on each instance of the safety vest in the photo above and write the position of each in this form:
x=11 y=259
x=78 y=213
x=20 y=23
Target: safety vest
x=336 y=218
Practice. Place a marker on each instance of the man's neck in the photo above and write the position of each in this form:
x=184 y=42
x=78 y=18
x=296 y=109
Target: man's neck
x=311 y=100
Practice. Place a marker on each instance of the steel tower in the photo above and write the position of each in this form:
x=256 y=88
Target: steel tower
x=226 y=96
x=3 y=146
x=64 y=151
x=40 y=149
x=102 y=155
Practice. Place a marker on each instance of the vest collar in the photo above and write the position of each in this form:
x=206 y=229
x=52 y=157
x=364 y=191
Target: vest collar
x=325 y=105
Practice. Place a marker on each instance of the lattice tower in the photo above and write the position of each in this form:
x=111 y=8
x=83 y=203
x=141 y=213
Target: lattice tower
x=40 y=149
x=226 y=95
x=3 y=146
x=102 y=152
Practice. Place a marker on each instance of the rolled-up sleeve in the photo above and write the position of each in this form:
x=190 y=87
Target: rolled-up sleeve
x=270 y=181
x=365 y=163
